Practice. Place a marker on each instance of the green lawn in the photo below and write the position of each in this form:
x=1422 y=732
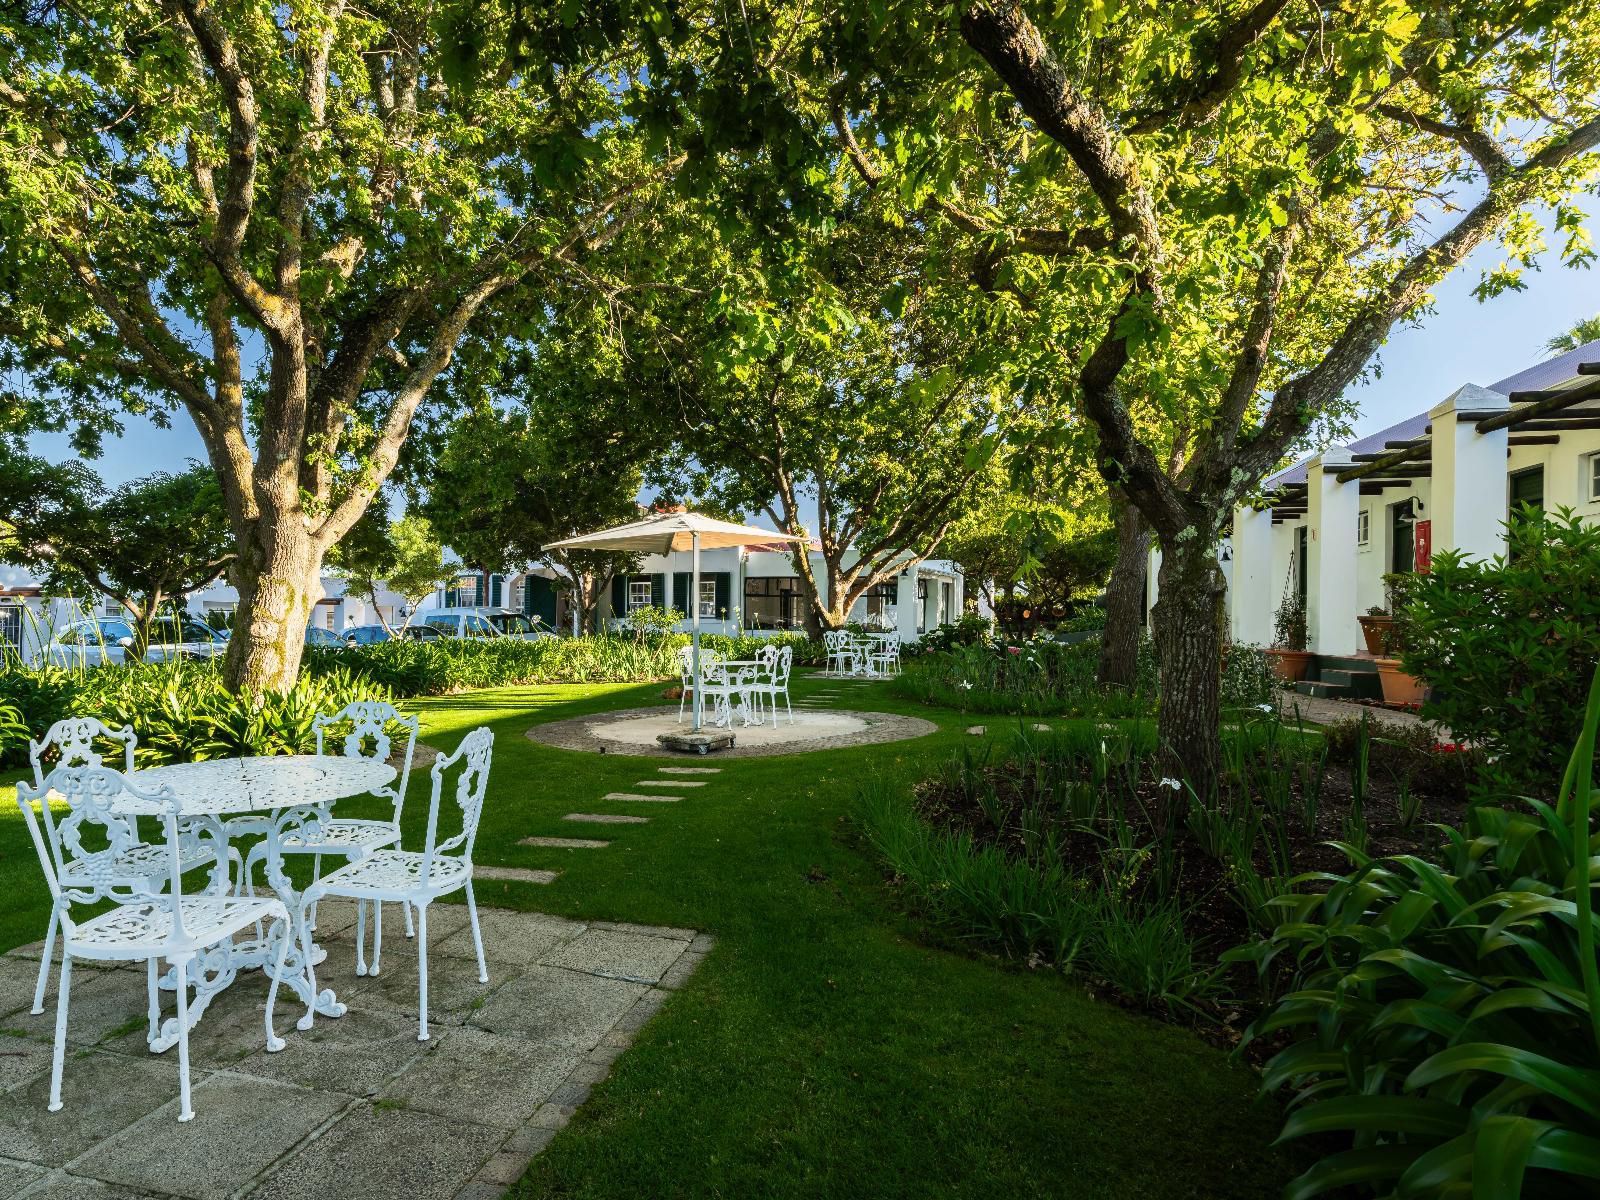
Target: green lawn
x=826 y=1047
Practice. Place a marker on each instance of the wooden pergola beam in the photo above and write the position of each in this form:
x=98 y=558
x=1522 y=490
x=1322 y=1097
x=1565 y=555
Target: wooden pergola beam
x=1528 y=405
x=1528 y=439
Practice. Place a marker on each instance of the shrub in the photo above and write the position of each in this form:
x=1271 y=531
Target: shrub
x=180 y=709
x=1247 y=676
x=1506 y=644
x=970 y=630
x=1447 y=1018
x=438 y=667
x=1038 y=678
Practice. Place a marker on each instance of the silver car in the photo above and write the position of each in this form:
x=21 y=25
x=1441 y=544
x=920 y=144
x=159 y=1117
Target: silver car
x=89 y=643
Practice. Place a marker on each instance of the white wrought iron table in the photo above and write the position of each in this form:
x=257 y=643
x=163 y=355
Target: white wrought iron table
x=266 y=798
x=740 y=674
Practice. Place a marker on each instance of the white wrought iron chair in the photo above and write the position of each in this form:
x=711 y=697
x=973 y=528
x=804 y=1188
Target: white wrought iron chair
x=841 y=650
x=772 y=679
x=883 y=657
x=443 y=866
x=686 y=671
x=138 y=864
x=353 y=838
x=728 y=690
x=145 y=923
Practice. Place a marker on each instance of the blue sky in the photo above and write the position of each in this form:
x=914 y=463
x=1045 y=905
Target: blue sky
x=1463 y=341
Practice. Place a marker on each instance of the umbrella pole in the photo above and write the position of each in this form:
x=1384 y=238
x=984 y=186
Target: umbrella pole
x=694 y=622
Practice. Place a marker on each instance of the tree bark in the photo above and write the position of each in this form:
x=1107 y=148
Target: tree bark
x=1119 y=644
x=1188 y=626
x=278 y=575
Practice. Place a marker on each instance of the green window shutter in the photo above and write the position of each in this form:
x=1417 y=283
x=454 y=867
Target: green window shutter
x=724 y=591
x=680 y=590
x=658 y=590
x=497 y=593
x=527 y=594
x=619 y=595
x=477 y=590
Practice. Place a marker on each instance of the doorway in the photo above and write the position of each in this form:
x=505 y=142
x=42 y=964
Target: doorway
x=1402 y=553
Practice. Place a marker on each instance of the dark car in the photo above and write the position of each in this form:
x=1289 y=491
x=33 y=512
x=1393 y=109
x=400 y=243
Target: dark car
x=368 y=635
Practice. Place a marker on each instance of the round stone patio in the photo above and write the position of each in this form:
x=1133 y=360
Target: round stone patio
x=634 y=732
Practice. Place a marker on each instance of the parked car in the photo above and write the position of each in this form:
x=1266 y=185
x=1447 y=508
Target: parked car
x=515 y=625
x=315 y=636
x=460 y=622
x=97 y=640
x=368 y=635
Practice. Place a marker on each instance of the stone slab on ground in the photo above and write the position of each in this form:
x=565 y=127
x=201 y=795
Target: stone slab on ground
x=641 y=798
x=690 y=770
x=677 y=783
x=1325 y=711
x=514 y=874
x=559 y=843
x=606 y=818
x=355 y=1108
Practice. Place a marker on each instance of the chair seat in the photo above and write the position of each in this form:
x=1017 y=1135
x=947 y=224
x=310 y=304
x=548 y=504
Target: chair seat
x=341 y=835
x=143 y=930
x=140 y=863
x=394 y=871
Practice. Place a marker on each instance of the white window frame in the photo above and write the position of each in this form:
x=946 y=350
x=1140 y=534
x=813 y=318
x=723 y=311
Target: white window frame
x=1592 y=486
x=1363 y=527
x=640 y=593
x=708 y=598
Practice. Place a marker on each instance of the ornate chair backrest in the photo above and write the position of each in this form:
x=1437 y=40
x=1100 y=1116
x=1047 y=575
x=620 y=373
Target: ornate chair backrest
x=782 y=659
x=686 y=664
x=472 y=756
x=835 y=640
x=766 y=662
x=91 y=793
x=369 y=722
x=74 y=741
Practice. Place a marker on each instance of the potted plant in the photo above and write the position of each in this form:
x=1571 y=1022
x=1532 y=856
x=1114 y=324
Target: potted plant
x=1290 y=659
x=1376 y=624
x=1399 y=686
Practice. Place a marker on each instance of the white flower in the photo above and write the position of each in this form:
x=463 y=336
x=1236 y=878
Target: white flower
x=1266 y=708
x=966 y=685
x=1172 y=783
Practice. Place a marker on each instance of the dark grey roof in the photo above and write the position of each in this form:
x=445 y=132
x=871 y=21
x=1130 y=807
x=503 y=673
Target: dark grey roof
x=1561 y=369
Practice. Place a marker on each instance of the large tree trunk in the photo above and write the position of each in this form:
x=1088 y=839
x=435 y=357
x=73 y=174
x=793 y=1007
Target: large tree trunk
x=1119 y=644
x=278 y=574
x=1188 y=626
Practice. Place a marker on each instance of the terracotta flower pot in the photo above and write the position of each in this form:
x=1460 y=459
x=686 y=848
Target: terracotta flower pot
x=1398 y=687
x=1375 y=629
x=1291 y=665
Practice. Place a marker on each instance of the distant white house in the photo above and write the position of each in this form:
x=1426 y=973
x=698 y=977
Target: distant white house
x=29 y=616
x=752 y=588
x=1444 y=479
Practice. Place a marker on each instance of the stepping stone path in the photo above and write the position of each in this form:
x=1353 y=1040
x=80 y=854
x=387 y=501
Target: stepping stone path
x=684 y=783
x=606 y=818
x=640 y=796
x=515 y=874
x=977 y=730
x=690 y=770
x=555 y=843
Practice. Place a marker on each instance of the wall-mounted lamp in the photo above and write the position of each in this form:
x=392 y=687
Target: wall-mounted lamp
x=1408 y=518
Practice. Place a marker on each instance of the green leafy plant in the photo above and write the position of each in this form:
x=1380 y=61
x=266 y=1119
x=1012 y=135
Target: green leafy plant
x=1289 y=623
x=1445 y=1019
x=1041 y=677
x=1507 y=644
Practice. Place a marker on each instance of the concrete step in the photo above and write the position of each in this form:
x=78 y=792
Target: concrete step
x=1355 y=664
x=1323 y=691
x=1356 y=683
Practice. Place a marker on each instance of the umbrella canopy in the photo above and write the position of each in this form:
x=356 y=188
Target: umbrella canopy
x=663 y=533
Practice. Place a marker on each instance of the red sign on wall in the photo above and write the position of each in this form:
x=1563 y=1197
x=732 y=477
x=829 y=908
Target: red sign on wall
x=1422 y=542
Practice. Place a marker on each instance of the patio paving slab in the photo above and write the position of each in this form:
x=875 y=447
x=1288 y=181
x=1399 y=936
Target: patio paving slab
x=510 y=939
x=15 y=1175
x=101 y=1095
x=491 y=1078
x=384 y=1153
x=617 y=955
x=558 y=1008
x=355 y=1108
x=241 y=1126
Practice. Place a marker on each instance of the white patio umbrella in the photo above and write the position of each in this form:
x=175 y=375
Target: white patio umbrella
x=663 y=533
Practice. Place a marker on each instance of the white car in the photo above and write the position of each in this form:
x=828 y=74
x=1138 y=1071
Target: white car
x=98 y=640
x=482 y=623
